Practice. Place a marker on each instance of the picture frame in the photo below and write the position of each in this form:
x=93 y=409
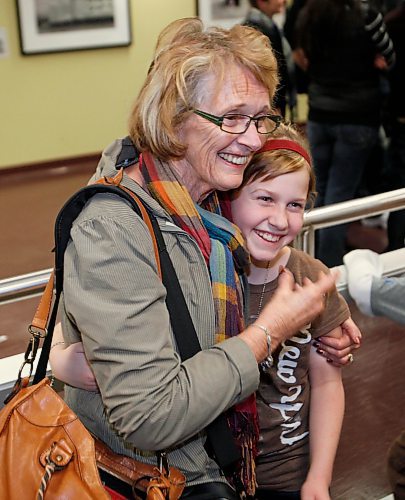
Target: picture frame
x=47 y=26
x=225 y=13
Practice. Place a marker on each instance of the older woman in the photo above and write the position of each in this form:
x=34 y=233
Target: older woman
x=203 y=111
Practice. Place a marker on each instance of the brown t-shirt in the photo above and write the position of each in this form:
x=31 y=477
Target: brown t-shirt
x=284 y=393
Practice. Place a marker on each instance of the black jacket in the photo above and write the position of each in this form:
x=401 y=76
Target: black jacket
x=265 y=25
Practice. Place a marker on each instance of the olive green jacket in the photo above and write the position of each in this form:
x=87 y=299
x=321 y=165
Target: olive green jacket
x=114 y=302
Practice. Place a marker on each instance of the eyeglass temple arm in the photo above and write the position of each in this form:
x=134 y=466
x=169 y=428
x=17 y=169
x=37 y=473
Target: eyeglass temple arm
x=214 y=119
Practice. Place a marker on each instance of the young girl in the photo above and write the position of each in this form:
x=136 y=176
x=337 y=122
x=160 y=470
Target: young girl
x=300 y=399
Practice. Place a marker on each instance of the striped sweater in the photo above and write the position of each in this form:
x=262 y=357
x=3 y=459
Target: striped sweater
x=376 y=28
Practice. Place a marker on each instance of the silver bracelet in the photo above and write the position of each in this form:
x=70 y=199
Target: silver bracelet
x=57 y=343
x=268 y=362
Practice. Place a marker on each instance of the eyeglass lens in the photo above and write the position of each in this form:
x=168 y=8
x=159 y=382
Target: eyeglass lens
x=238 y=124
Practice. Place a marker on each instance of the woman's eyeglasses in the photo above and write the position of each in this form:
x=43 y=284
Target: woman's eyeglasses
x=238 y=124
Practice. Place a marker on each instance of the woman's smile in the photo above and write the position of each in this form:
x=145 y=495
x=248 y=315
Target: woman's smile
x=237 y=160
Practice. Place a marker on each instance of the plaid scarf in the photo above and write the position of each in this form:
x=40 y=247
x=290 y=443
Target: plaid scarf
x=221 y=244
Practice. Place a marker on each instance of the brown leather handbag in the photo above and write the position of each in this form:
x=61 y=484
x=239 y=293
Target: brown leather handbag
x=45 y=451
x=151 y=482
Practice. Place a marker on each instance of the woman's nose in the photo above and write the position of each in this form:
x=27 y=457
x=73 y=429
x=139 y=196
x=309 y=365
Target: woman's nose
x=251 y=137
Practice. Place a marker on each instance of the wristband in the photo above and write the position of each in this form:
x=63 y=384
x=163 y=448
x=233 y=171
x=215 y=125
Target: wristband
x=268 y=362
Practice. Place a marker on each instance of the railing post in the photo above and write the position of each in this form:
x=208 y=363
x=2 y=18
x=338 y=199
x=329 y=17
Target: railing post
x=305 y=241
x=309 y=241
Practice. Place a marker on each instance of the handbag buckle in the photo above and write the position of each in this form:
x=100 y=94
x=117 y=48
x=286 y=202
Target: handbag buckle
x=35 y=331
x=163 y=463
x=30 y=354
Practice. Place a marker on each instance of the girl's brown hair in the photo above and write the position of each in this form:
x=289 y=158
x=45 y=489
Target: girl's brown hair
x=266 y=165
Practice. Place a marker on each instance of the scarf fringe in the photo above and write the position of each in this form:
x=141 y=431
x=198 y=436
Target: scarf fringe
x=244 y=423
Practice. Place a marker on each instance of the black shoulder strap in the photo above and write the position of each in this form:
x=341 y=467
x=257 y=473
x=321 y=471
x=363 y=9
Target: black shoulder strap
x=70 y=212
x=63 y=225
x=220 y=445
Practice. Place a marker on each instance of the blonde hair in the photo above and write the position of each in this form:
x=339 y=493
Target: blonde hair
x=270 y=164
x=186 y=56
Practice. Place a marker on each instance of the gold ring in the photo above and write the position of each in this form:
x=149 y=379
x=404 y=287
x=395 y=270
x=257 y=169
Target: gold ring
x=351 y=358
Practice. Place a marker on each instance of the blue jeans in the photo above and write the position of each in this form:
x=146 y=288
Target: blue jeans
x=340 y=153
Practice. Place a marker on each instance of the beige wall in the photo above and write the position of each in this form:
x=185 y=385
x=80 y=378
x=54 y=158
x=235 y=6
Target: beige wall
x=67 y=104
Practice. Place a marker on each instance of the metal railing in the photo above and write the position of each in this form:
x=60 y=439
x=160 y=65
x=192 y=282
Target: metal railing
x=29 y=285
x=346 y=211
x=24 y=286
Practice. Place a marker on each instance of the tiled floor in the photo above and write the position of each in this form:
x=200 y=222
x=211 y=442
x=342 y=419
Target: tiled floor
x=375 y=389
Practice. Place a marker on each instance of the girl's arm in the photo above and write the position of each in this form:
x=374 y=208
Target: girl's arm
x=69 y=363
x=325 y=422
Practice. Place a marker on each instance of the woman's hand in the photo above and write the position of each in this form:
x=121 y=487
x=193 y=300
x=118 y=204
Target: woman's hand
x=300 y=59
x=70 y=365
x=338 y=351
x=380 y=62
x=291 y=308
x=294 y=306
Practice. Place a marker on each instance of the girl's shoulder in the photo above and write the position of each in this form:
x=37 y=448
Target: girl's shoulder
x=303 y=265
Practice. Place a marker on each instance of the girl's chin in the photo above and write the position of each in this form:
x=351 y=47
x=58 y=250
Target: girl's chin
x=263 y=257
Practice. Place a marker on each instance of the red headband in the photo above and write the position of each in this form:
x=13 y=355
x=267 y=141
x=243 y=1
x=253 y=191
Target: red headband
x=273 y=144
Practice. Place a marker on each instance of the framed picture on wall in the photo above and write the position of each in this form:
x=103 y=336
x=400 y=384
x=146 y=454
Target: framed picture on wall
x=63 y=25
x=224 y=13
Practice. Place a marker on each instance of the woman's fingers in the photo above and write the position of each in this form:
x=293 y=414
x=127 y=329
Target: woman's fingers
x=338 y=346
x=328 y=352
x=338 y=351
x=292 y=306
x=352 y=330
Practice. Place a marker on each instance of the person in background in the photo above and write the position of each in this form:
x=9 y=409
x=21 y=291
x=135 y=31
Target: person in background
x=345 y=48
x=204 y=109
x=395 y=171
x=300 y=399
x=396 y=466
x=260 y=16
x=374 y=294
x=300 y=71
